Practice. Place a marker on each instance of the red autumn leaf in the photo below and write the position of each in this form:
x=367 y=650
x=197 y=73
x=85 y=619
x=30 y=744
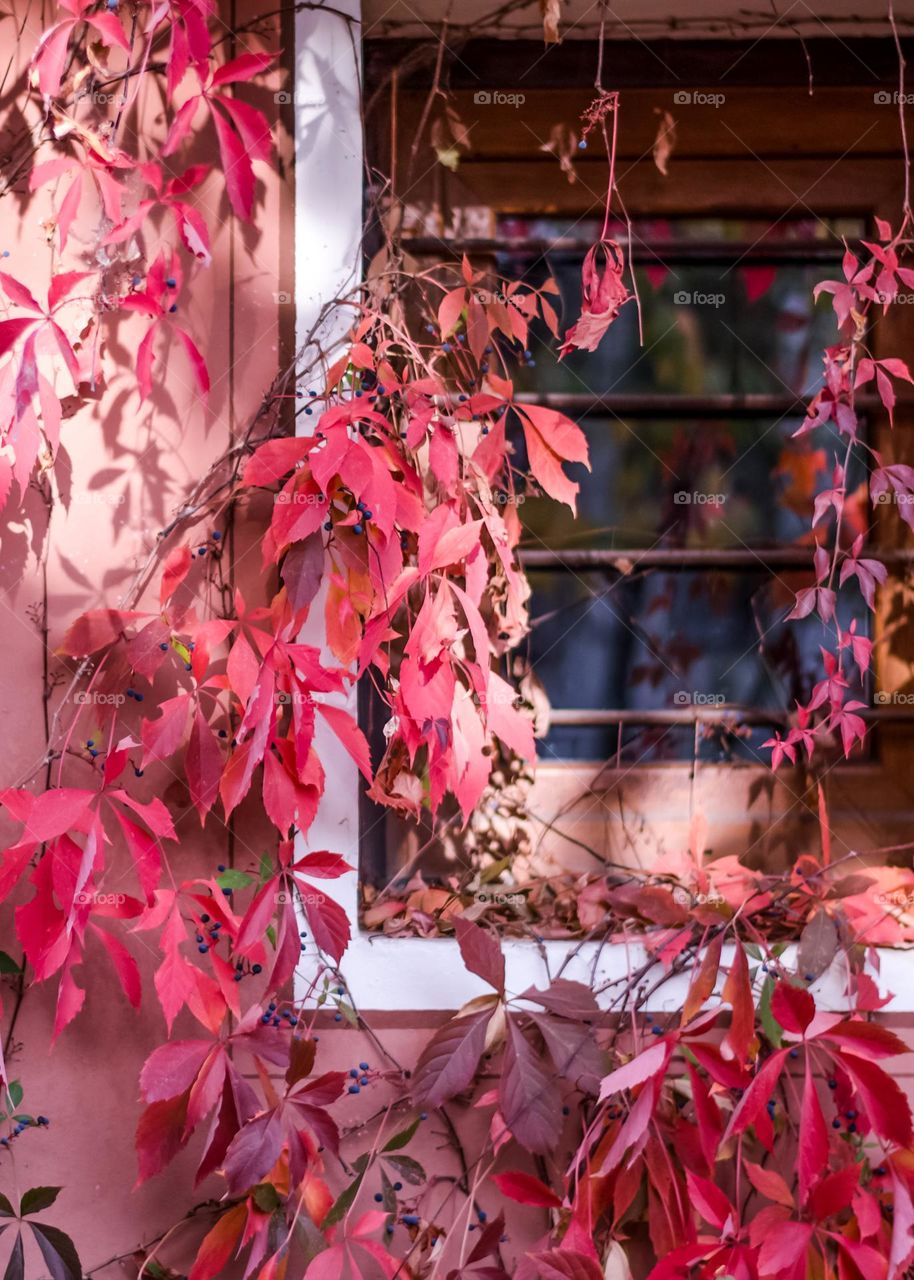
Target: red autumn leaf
x=566 y=1264
x=449 y=310
x=885 y=1102
x=769 y=1183
x=96 y=629
x=812 y=1156
x=203 y=765
x=526 y=1189
x=704 y=980
x=160 y=1135
x=793 y=1007
x=603 y=295
x=449 y=1060
x=644 y=1066
x=327 y=920
x=737 y=992
x=219 y=1244
x=755 y=1099
x=163 y=736
x=481 y=953
x=553 y=439
x=236 y=165
x=528 y=1097
x=124 y=964
x=350 y=735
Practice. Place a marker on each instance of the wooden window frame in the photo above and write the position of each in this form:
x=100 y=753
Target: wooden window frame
x=412 y=974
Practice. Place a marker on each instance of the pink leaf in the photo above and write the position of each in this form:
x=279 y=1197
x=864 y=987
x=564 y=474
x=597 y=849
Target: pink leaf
x=349 y=734
x=246 y=67
x=643 y=1067
x=236 y=165
x=126 y=967
x=196 y=359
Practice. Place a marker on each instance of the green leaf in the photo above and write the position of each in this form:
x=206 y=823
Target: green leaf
x=58 y=1251
x=349 y=1014
x=773 y=1030
x=8 y=964
x=38 y=1198
x=343 y=1203
x=387 y=1191
x=401 y=1139
x=494 y=871
x=266 y=1197
x=6 y=1209
x=233 y=879
x=408 y=1169
x=14 y=1092
x=15 y=1268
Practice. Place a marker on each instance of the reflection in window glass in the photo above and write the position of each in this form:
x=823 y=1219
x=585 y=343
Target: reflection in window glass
x=658 y=641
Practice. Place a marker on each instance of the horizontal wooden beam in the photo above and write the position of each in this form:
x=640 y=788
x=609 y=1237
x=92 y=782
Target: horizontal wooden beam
x=697 y=714
x=682 y=558
x=665 y=252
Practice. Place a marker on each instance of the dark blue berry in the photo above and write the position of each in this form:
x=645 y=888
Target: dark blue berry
x=354 y=1088
x=378 y=1197
x=363 y=1066
x=357 y=528
x=256 y=968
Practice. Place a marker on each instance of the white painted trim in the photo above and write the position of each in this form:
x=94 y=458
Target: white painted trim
x=413 y=974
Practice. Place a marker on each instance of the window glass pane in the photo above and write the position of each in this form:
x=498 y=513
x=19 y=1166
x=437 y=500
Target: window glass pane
x=662 y=641
x=735 y=326
x=687 y=483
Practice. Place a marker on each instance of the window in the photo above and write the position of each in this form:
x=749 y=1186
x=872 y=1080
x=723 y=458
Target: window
x=638 y=734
